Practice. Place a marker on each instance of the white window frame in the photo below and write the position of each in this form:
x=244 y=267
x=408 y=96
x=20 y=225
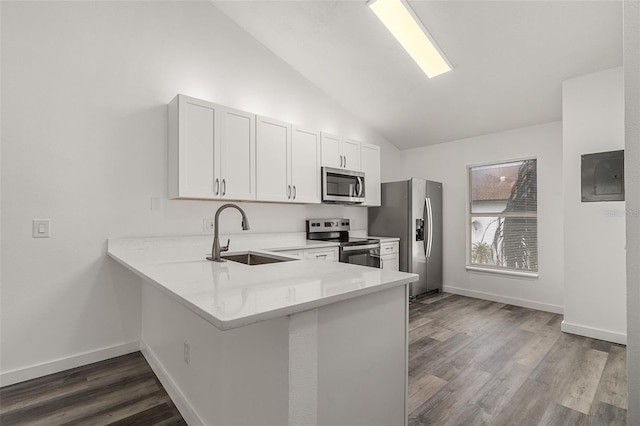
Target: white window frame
x=493 y=270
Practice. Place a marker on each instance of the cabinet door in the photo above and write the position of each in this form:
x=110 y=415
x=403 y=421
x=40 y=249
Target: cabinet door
x=191 y=157
x=237 y=155
x=388 y=248
x=370 y=159
x=331 y=155
x=391 y=262
x=330 y=254
x=273 y=141
x=298 y=253
x=305 y=166
x=351 y=155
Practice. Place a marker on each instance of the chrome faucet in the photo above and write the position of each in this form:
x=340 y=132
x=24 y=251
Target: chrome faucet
x=216 y=249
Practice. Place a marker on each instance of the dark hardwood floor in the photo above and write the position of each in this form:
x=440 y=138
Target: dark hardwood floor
x=471 y=362
x=476 y=362
x=118 y=391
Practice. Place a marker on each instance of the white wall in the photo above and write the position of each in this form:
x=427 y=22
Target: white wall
x=632 y=171
x=84 y=93
x=448 y=163
x=594 y=233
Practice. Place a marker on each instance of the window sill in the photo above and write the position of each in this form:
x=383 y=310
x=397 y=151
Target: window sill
x=493 y=271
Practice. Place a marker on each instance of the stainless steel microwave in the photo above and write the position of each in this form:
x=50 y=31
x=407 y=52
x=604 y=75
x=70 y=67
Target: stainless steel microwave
x=342 y=186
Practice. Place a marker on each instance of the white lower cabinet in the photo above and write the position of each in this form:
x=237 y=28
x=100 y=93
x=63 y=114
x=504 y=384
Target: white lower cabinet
x=390 y=256
x=330 y=253
x=322 y=254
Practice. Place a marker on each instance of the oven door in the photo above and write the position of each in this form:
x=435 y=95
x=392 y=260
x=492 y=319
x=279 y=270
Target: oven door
x=368 y=255
x=342 y=186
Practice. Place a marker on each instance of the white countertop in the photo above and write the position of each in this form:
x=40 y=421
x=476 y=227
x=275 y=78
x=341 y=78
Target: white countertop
x=231 y=294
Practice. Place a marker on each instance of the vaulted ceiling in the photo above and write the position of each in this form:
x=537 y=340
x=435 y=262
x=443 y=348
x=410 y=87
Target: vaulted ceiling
x=509 y=58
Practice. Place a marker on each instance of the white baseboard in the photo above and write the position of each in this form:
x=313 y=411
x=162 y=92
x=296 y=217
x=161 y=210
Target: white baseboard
x=23 y=374
x=595 y=333
x=556 y=309
x=188 y=413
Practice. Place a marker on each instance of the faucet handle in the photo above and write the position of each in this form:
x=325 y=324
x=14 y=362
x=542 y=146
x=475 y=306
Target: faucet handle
x=225 y=248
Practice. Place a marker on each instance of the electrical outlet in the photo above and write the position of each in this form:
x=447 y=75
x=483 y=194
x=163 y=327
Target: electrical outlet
x=207 y=224
x=41 y=228
x=187 y=353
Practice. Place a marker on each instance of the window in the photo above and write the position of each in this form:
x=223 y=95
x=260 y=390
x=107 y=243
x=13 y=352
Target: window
x=503 y=216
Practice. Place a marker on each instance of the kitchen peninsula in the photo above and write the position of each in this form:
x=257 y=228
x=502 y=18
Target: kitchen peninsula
x=298 y=342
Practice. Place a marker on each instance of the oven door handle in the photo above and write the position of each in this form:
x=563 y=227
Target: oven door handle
x=375 y=256
x=361 y=248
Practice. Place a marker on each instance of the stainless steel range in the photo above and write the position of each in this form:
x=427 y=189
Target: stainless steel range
x=358 y=251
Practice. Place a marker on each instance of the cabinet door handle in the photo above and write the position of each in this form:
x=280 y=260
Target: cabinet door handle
x=289 y=192
x=295 y=192
x=224 y=187
x=345 y=161
x=217 y=186
x=341 y=161
x=321 y=256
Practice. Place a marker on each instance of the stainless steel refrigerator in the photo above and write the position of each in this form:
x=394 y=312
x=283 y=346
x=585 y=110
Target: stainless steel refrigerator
x=412 y=211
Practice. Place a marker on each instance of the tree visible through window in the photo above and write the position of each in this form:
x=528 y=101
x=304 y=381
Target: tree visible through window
x=503 y=215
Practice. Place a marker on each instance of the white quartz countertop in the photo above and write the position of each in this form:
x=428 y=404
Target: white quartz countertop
x=231 y=294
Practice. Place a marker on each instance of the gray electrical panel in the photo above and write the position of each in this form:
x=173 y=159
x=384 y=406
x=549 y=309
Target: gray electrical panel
x=603 y=176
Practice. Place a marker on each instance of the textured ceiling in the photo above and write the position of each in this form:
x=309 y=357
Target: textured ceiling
x=509 y=58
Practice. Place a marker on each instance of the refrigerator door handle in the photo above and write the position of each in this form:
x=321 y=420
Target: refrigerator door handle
x=429 y=226
x=425 y=217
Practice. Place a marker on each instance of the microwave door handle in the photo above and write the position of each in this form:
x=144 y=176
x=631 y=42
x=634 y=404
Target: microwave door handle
x=360 y=186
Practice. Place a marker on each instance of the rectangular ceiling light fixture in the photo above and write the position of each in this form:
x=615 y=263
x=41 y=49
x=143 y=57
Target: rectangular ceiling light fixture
x=405 y=26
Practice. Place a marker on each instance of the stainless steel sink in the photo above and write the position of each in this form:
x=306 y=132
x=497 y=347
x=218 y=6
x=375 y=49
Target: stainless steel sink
x=252 y=259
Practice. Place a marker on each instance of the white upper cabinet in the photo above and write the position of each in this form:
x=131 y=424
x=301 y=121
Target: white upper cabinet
x=331 y=151
x=211 y=151
x=237 y=155
x=273 y=141
x=305 y=166
x=351 y=155
x=288 y=162
x=191 y=148
x=370 y=163
x=340 y=153
x=217 y=153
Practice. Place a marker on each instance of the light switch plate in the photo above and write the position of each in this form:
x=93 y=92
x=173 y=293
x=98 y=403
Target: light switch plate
x=41 y=228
